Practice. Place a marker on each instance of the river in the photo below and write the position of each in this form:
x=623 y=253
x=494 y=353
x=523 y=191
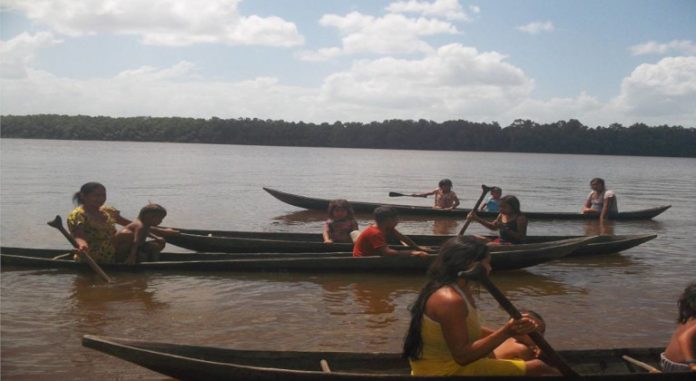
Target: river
x=618 y=300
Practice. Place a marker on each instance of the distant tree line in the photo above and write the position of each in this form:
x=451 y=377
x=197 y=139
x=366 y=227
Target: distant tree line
x=457 y=135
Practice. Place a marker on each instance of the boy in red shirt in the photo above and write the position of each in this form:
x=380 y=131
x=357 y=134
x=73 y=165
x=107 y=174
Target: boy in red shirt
x=373 y=240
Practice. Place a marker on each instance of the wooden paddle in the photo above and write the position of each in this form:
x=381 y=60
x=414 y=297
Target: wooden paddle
x=397 y=194
x=641 y=364
x=58 y=224
x=478 y=274
x=484 y=190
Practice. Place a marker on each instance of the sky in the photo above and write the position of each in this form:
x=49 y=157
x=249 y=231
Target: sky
x=598 y=61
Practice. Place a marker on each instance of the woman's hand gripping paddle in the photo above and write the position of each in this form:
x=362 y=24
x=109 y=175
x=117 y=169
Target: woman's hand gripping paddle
x=484 y=190
x=478 y=274
x=58 y=224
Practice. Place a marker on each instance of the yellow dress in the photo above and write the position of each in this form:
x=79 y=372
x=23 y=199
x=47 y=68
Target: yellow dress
x=99 y=234
x=436 y=359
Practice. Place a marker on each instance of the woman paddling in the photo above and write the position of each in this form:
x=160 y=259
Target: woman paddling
x=445 y=337
x=511 y=223
x=93 y=224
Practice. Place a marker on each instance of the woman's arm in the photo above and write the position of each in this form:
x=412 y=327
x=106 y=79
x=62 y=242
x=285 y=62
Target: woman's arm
x=608 y=202
x=687 y=345
x=80 y=238
x=325 y=233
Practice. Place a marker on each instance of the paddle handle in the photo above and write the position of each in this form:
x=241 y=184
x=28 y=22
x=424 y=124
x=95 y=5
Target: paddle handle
x=58 y=224
x=397 y=194
x=484 y=190
x=538 y=339
x=641 y=364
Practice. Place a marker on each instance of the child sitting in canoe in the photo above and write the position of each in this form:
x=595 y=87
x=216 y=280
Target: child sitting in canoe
x=445 y=198
x=373 y=240
x=340 y=223
x=511 y=223
x=492 y=202
x=600 y=201
x=680 y=354
x=131 y=241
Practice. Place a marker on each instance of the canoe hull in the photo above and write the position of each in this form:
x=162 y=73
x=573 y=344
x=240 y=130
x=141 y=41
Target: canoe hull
x=368 y=207
x=257 y=242
x=186 y=362
x=510 y=258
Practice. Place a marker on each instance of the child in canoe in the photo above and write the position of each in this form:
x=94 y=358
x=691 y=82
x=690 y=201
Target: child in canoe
x=340 y=223
x=131 y=241
x=373 y=240
x=492 y=202
x=445 y=198
x=680 y=354
x=511 y=223
x=600 y=201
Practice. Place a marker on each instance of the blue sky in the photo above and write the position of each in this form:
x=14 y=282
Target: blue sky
x=601 y=62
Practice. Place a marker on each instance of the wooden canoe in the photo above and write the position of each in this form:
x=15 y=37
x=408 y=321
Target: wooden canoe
x=261 y=242
x=505 y=258
x=189 y=362
x=368 y=207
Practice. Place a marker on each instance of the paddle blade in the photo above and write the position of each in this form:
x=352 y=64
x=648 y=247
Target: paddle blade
x=56 y=222
x=396 y=194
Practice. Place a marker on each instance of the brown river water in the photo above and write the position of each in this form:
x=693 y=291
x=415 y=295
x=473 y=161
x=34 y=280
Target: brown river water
x=618 y=300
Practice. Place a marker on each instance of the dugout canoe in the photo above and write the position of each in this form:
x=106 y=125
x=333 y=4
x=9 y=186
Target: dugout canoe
x=271 y=242
x=191 y=362
x=368 y=207
x=505 y=258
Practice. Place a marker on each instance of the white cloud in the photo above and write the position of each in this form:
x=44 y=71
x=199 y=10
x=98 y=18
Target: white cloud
x=449 y=9
x=390 y=34
x=20 y=52
x=537 y=27
x=687 y=47
x=663 y=90
x=161 y=22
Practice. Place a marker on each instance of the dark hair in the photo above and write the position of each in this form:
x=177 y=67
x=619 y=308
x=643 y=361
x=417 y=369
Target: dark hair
x=86 y=189
x=152 y=209
x=340 y=203
x=457 y=254
x=513 y=202
x=496 y=189
x=445 y=182
x=687 y=303
x=597 y=180
x=384 y=213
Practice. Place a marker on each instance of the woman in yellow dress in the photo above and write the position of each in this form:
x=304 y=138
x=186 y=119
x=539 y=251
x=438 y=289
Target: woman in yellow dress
x=445 y=337
x=93 y=224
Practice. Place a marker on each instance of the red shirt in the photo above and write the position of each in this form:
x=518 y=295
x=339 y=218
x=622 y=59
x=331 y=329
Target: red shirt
x=369 y=242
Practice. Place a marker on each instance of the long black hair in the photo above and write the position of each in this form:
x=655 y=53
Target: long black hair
x=455 y=255
x=687 y=303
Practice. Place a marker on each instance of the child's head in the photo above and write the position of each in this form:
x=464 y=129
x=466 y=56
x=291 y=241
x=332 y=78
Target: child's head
x=445 y=184
x=687 y=303
x=511 y=203
x=340 y=209
x=496 y=192
x=597 y=184
x=152 y=214
x=386 y=217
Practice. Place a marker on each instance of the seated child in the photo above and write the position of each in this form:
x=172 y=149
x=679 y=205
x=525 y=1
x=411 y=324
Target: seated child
x=340 y=223
x=445 y=198
x=131 y=241
x=373 y=240
x=492 y=202
x=680 y=354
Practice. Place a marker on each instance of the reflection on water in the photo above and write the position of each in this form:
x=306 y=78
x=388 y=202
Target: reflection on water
x=593 y=227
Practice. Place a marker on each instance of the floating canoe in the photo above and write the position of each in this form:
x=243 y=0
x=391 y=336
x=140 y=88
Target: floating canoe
x=369 y=207
x=505 y=258
x=267 y=242
x=188 y=362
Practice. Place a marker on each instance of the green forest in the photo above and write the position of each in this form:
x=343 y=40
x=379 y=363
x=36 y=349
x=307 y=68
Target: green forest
x=457 y=135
